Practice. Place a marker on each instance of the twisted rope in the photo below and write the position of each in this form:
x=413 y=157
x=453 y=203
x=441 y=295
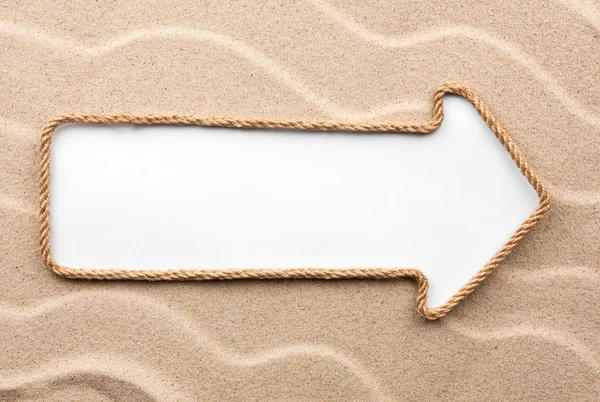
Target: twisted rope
x=312 y=273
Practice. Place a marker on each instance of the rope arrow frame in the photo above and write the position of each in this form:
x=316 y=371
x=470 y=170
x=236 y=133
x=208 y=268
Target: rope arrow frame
x=295 y=273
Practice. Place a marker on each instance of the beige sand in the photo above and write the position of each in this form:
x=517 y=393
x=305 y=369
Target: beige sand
x=529 y=332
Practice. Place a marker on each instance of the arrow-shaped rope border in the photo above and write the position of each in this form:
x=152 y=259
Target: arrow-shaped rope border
x=295 y=273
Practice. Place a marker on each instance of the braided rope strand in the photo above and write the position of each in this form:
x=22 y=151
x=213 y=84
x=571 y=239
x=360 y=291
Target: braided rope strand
x=299 y=273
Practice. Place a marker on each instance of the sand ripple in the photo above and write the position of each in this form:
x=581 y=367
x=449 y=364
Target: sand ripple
x=249 y=53
x=110 y=375
x=581 y=273
x=302 y=89
x=478 y=35
x=186 y=329
x=561 y=339
x=18 y=205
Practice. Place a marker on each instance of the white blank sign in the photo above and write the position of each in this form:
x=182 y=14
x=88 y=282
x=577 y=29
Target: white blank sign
x=174 y=197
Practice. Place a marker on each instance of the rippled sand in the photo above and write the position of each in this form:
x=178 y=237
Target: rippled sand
x=529 y=332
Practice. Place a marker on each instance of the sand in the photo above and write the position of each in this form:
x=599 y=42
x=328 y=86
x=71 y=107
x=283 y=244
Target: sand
x=529 y=332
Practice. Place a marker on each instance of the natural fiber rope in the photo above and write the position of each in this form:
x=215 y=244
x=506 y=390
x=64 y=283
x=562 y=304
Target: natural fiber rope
x=313 y=273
